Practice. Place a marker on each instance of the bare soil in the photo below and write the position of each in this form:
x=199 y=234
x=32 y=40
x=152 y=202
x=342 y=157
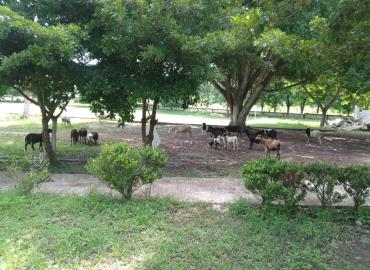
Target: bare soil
x=192 y=156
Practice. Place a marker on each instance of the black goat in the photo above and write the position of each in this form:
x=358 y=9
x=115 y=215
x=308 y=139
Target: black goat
x=216 y=131
x=74 y=136
x=32 y=138
x=82 y=134
x=269 y=133
x=237 y=129
x=204 y=128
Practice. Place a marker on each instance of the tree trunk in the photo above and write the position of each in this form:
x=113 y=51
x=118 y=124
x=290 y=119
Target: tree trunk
x=323 y=116
x=46 y=139
x=54 y=121
x=287 y=110
x=302 y=105
x=153 y=122
x=144 y=121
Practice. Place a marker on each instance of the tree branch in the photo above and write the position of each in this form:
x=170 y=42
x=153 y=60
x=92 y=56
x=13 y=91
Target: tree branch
x=25 y=96
x=286 y=87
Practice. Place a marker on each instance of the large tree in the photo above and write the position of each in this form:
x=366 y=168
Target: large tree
x=39 y=59
x=146 y=53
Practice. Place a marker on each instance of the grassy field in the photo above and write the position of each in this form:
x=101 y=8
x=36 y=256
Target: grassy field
x=48 y=231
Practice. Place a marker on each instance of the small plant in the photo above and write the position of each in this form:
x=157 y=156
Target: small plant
x=273 y=179
x=356 y=182
x=125 y=168
x=323 y=178
x=28 y=173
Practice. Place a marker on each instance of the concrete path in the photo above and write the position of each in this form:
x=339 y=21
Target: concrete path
x=212 y=190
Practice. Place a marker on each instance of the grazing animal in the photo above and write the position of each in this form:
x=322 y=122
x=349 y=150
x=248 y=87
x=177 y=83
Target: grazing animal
x=252 y=134
x=237 y=129
x=270 y=145
x=216 y=142
x=66 y=120
x=82 y=134
x=102 y=117
x=182 y=129
x=32 y=138
x=233 y=140
x=92 y=138
x=204 y=128
x=74 y=136
x=269 y=133
x=313 y=133
x=216 y=131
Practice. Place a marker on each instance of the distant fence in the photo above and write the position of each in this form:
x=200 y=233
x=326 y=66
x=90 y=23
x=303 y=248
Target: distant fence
x=251 y=113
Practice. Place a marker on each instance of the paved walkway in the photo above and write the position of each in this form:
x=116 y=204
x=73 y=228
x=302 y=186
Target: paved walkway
x=212 y=190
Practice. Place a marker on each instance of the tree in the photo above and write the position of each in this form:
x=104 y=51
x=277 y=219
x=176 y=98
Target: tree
x=262 y=41
x=145 y=53
x=39 y=59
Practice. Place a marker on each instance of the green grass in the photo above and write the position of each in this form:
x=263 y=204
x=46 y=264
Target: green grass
x=50 y=231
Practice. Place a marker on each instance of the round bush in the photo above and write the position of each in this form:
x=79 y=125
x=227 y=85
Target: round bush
x=125 y=168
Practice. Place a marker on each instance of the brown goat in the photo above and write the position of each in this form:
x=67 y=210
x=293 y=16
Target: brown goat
x=270 y=145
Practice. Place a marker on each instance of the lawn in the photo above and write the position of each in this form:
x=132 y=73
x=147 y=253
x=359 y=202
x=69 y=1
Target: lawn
x=97 y=232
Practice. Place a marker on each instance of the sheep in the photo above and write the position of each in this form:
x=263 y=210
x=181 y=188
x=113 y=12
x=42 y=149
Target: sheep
x=270 y=145
x=204 y=128
x=182 y=128
x=313 y=133
x=216 y=142
x=66 y=120
x=233 y=140
x=32 y=138
x=74 y=136
x=216 y=131
x=236 y=129
x=92 y=138
x=82 y=134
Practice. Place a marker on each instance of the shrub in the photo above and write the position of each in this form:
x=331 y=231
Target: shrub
x=28 y=173
x=125 y=168
x=356 y=182
x=323 y=178
x=273 y=179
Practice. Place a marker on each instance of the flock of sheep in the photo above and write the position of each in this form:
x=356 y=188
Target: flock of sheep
x=222 y=137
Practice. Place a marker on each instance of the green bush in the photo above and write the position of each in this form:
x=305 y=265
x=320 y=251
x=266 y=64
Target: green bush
x=323 y=179
x=125 y=168
x=28 y=173
x=273 y=179
x=356 y=182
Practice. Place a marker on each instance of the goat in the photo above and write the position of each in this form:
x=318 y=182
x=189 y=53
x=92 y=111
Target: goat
x=313 y=133
x=32 y=138
x=270 y=145
x=66 y=120
x=233 y=140
x=251 y=134
x=269 y=133
x=182 y=128
x=216 y=142
x=236 y=129
x=74 y=136
x=204 y=128
x=92 y=138
x=216 y=131
x=82 y=134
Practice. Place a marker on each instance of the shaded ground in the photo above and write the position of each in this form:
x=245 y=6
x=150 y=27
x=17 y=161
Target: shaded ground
x=194 y=157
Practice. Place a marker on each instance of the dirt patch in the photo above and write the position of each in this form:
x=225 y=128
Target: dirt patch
x=193 y=155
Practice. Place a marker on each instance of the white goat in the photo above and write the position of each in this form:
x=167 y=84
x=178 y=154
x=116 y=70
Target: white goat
x=314 y=133
x=233 y=140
